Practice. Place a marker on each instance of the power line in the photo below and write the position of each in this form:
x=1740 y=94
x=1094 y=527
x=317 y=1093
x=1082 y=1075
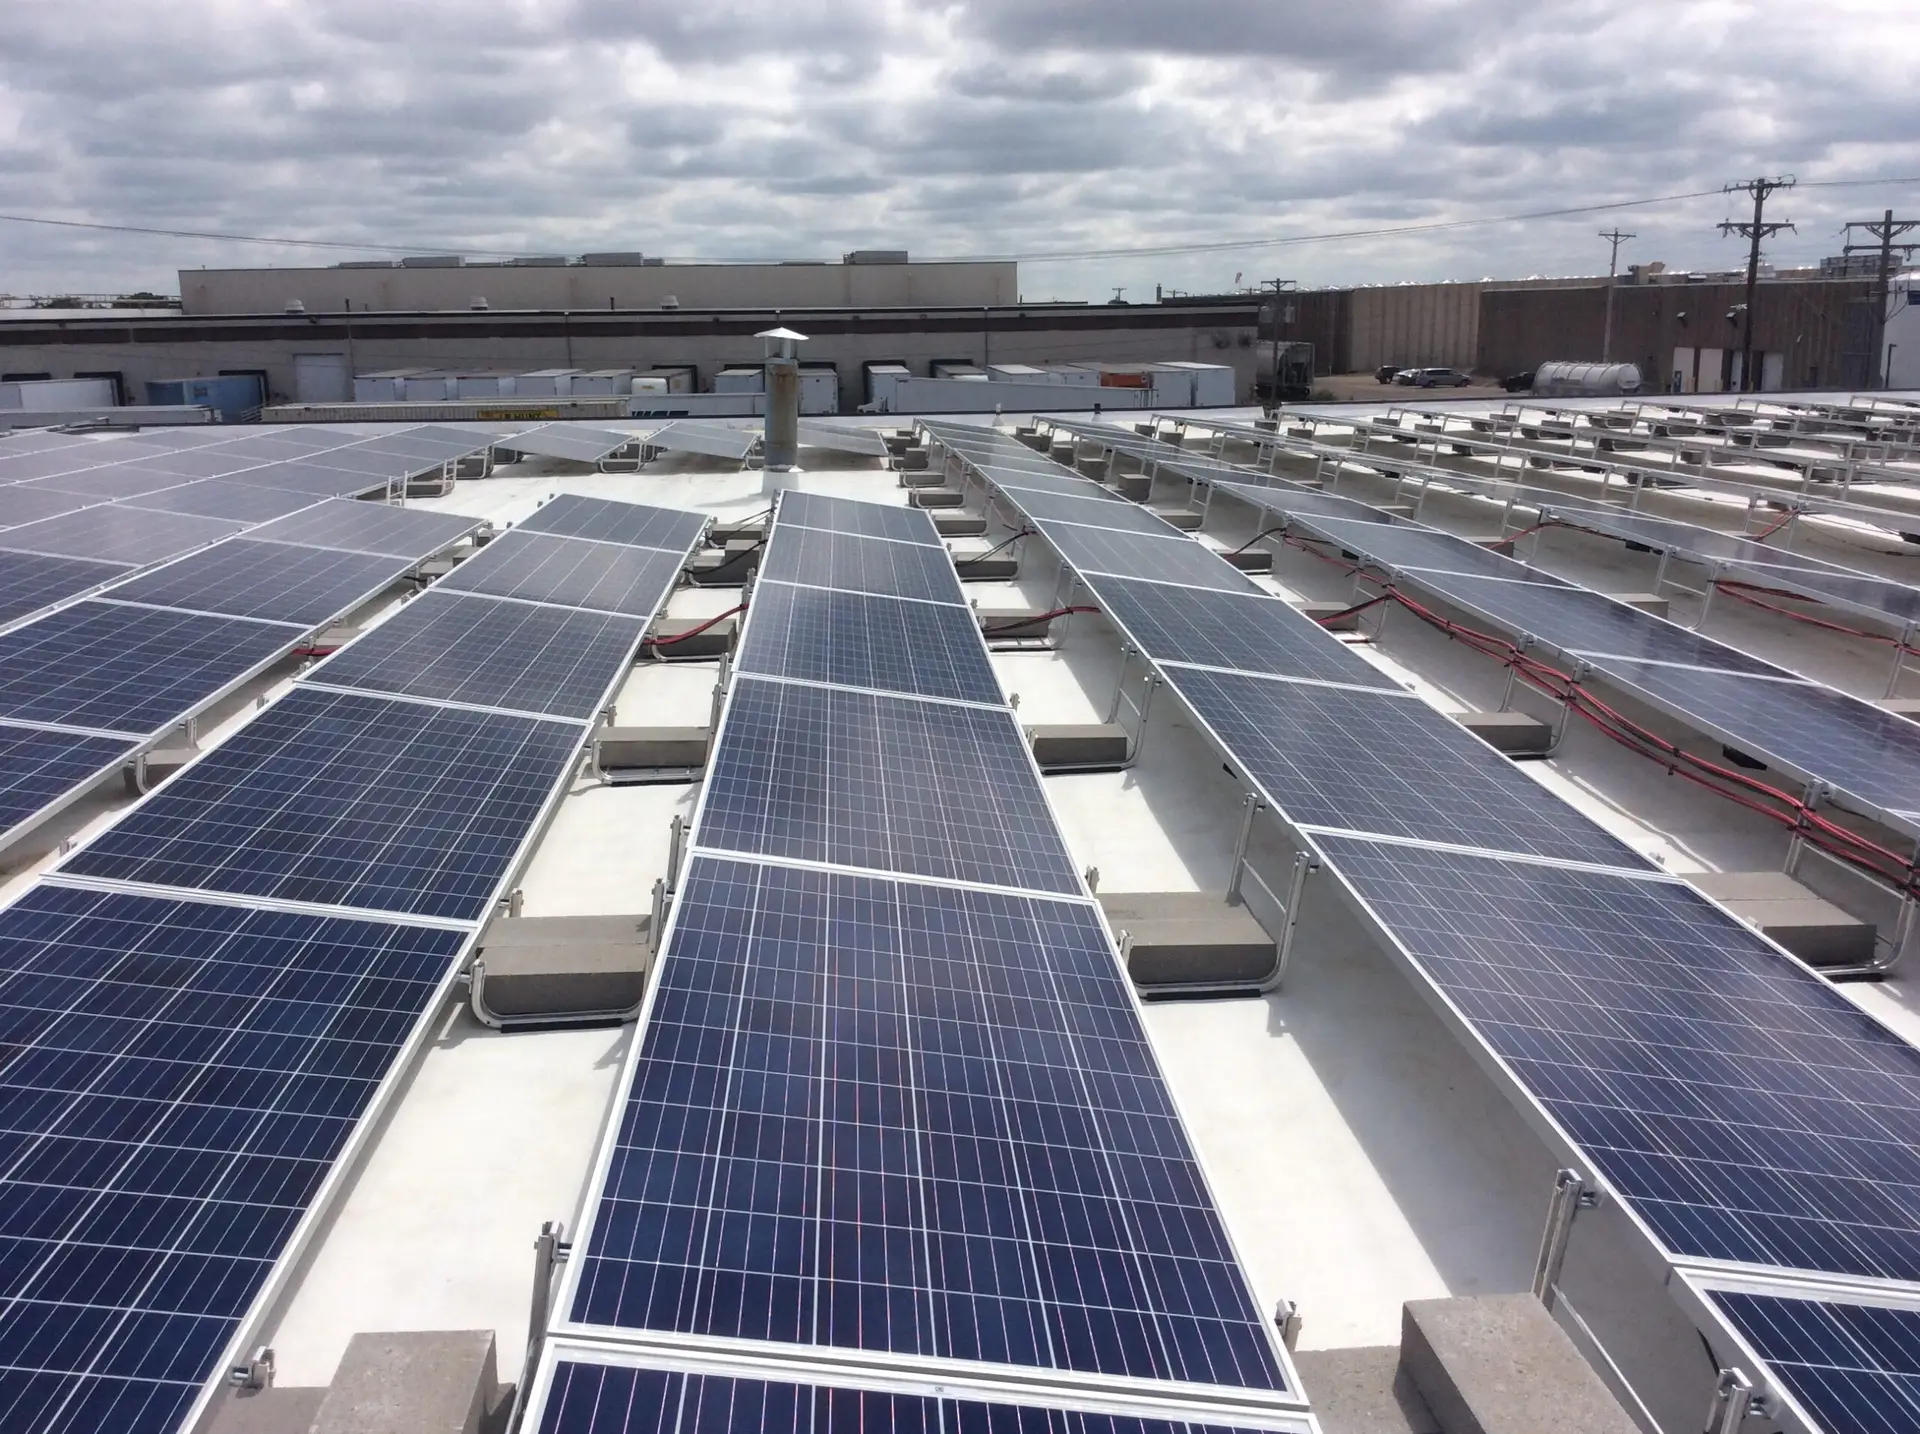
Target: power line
x=422 y=249
x=1614 y=237
x=1756 y=230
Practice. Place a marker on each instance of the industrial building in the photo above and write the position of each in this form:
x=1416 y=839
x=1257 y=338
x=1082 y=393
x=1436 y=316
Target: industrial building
x=1393 y=917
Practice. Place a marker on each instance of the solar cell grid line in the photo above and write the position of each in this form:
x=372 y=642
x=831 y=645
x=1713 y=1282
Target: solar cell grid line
x=1246 y=632
x=357 y=527
x=30 y=583
x=133 y=670
x=122 y=480
x=1896 y=602
x=1582 y=621
x=1387 y=763
x=578 y=442
x=540 y=568
x=110 y=533
x=38 y=768
x=882 y=783
x=278 y=582
x=1848 y=1365
x=862 y=640
x=351 y=801
x=1740 y=1107
x=813 y=557
x=638 y=525
x=555 y=661
x=926 y=1120
x=1120 y=515
x=1401 y=545
x=1869 y=756
x=584 y=1390
x=867 y=520
x=183 y=1083
x=1301 y=501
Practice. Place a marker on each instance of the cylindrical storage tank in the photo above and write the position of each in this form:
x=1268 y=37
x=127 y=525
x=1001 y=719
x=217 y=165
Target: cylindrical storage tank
x=1586 y=380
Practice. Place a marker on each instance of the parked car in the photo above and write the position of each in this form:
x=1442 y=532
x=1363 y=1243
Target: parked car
x=1405 y=375
x=1440 y=378
x=1385 y=373
x=1518 y=382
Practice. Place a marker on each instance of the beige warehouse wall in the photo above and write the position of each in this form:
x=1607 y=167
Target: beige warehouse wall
x=1416 y=325
x=589 y=286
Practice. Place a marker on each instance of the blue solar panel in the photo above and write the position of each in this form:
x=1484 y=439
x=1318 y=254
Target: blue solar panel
x=38 y=768
x=814 y=558
x=606 y=577
x=1852 y=744
x=211 y=498
x=325 y=476
x=1741 y=1105
x=859 y=640
x=345 y=800
x=588 y=1396
x=29 y=505
x=369 y=528
x=890 y=783
x=128 y=669
x=1091 y=512
x=847 y=515
x=121 y=480
x=491 y=654
x=1172 y=559
x=275 y=581
x=29 y=582
x=115 y=534
x=1855 y=1368
x=634 y=524
x=1577 y=620
x=1299 y=500
x=1245 y=631
x=917 y=1119
x=180 y=1079
x=1376 y=762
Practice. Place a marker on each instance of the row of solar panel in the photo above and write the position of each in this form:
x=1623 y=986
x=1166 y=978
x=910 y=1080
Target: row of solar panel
x=187 y=1072
x=871 y=1112
x=85 y=686
x=1739 y=1103
x=1871 y=758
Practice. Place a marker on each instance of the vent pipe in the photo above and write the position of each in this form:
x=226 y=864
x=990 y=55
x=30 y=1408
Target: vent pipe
x=780 y=448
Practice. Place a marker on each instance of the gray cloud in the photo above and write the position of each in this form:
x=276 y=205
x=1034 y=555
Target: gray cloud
x=749 y=129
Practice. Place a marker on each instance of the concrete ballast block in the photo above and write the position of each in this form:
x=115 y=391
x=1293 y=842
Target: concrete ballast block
x=1251 y=560
x=959 y=525
x=1498 y=1364
x=1088 y=744
x=1185 y=519
x=937 y=498
x=1514 y=733
x=1320 y=611
x=1189 y=937
x=436 y=1382
x=652 y=746
x=1133 y=485
x=550 y=965
x=1645 y=602
x=683 y=641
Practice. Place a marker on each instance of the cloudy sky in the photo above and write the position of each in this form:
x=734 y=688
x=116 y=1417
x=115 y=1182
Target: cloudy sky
x=740 y=129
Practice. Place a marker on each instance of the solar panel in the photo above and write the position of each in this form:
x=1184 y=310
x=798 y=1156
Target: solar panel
x=1283 y=498
x=369 y=528
x=635 y=524
x=1854 y=745
x=491 y=654
x=867 y=520
x=1398 y=545
x=859 y=640
x=534 y=567
x=209 y=462
x=111 y=533
x=1852 y=1367
x=20 y=504
x=820 y=559
x=576 y=442
x=1047 y=478
x=29 y=582
x=1578 y=620
x=715 y=440
x=842 y=438
x=925 y=1120
x=346 y=800
x=318 y=478
x=1244 y=631
x=1091 y=512
x=211 y=498
x=274 y=581
x=38 y=768
x=1741 y=1105
x=889 y=783
x=127 y=669
x=181 y=1079
x=1898 y=601
x=597 y=1393
x=1171 y=559
x=1379 y=762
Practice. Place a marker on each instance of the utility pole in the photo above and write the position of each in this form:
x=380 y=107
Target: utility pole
x=1615 y=237
x=1760 y=189
x=1276 y=287
x=1885 y=230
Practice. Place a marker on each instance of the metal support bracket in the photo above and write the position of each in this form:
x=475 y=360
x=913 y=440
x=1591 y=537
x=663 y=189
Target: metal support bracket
x=1570 y=1196
x=256 y=1373
x=676 y=850
x=1733 y=1400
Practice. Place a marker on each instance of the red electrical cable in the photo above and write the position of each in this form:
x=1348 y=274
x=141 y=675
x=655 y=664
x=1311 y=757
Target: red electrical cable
x=1743 y=592
x=694 y=631
x=1033 y=621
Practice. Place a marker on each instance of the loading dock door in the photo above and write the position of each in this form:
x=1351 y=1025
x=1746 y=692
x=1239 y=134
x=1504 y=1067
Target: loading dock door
x=321 y=378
